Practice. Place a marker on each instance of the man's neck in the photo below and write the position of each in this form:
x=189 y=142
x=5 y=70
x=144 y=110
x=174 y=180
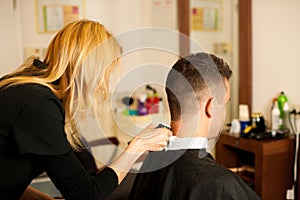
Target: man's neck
x=183 y=130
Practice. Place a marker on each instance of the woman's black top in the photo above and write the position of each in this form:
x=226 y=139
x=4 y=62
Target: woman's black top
x=33 y=140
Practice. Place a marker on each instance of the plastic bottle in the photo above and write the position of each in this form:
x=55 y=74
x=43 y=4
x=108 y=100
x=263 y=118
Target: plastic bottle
x=149 y=102
x=283 y=108
x=244 y=116
x=160 y=106
x=276 y=120
x=142 y=110
x=154 y=108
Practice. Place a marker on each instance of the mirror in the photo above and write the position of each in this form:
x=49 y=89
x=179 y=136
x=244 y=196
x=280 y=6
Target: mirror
x=244 y=46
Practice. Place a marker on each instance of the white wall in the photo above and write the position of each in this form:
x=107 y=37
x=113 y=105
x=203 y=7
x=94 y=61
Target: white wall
x=10 y=37
x=118 y=16
x=276 y=42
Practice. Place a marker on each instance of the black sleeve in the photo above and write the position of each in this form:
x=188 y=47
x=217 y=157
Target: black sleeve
x=39 y=128
x=74 y=182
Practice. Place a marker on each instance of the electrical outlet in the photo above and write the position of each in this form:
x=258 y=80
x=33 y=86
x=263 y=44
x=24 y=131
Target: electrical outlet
x=222 y=48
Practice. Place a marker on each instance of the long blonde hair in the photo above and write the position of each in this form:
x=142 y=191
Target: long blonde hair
x=79 y=61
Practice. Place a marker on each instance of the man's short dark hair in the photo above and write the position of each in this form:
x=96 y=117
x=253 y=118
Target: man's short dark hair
x=186 y=84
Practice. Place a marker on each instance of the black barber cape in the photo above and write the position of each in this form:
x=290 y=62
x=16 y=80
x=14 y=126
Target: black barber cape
x=188 y=174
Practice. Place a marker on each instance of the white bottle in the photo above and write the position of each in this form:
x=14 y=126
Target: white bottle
x=276 y=120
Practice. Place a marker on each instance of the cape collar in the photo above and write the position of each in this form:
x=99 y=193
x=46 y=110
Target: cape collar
x=176 y=143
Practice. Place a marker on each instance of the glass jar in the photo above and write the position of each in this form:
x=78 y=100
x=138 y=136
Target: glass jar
x=258 y=122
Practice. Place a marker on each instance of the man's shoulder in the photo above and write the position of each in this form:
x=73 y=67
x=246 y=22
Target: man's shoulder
x=190 y=174
x=186 y=166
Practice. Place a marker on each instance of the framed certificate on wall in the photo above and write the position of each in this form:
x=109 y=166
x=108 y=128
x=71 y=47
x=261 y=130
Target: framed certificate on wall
x=52 y=15
x=206 y=15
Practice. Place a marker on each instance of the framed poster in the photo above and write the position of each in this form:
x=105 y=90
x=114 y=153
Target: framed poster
x=206 y=15
x=54 y=14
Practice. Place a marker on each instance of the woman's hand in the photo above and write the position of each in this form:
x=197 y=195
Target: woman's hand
x=150 y=139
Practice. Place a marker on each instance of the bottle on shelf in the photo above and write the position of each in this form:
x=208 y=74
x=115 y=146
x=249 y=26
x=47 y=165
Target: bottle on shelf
x=276 y=121
x=155 y=108
x=244 y=116
x=283 y=108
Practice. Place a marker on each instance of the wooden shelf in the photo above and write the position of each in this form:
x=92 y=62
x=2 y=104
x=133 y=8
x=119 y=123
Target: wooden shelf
x=247 y=176
x=273 y=162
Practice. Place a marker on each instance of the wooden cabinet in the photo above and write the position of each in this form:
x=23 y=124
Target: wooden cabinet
x=272 y=163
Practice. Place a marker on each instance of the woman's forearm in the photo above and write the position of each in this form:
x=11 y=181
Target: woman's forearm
x=123 y=164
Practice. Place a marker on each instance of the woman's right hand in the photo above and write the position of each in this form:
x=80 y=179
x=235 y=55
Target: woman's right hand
x=150 y=139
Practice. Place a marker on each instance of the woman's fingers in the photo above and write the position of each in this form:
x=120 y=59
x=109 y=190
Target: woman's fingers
x=155 y=138
x=151 y=139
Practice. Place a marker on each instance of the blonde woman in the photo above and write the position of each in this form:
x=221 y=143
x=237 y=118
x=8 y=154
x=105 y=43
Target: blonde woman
x=41 y=105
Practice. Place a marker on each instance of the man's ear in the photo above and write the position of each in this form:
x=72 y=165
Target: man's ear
x=209 y=107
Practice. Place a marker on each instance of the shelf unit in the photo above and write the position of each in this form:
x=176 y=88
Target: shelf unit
x=272 y=161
